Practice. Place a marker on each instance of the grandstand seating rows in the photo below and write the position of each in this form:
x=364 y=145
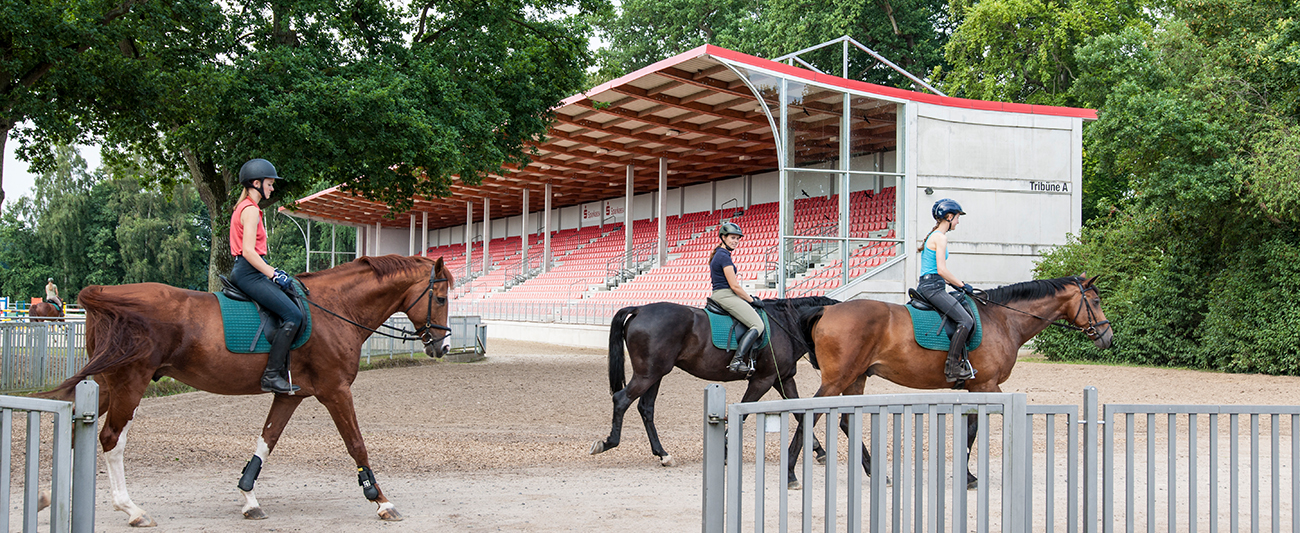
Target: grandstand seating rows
x=584 y=258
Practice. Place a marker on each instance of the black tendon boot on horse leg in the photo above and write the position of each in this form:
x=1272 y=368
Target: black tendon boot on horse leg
x=740 y=363
x=958 y=367
x=275 y=377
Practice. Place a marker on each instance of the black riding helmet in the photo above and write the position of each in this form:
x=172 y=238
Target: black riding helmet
x=729 y=228
x=945 y=207
x=256 y=169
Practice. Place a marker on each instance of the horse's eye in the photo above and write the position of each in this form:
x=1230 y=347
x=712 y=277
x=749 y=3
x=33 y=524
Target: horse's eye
x=442 y=300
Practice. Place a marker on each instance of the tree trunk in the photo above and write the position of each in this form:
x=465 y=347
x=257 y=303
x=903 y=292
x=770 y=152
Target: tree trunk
x=214 y=189
x=4 y=138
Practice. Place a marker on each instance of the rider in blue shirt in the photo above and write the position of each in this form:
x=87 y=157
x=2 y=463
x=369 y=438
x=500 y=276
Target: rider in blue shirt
x=934 y=273
x=732 y=297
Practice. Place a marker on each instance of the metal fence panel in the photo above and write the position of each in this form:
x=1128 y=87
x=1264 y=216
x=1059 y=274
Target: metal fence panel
x=41 y=354
x=72 y=460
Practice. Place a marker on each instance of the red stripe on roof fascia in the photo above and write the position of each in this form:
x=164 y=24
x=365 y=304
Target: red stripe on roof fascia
x=913 y=96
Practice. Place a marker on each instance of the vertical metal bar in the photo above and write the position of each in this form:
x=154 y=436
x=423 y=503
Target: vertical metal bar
x=546 y=223
x=661 y=202
x=903 y=483
x=1049 y=476
x=1071 y=473
x=714 y=497
x=334 y=230
x=982 y=492
x=31 y=480
x=899 y=450
x=1234 y=500
x=854 y=473
x=807 y=470
x=61 y=471
x=918 y=468
x=832 y=467
x=941 y=500
x=1013 y=429
x=1276 y=482
x=424 y=229
x=1089 y=416
x=1171 y=448
x=936 y=478
x=1295 y=474
x=1254 y=473
x=783 y=495
x=627 y=220
x=1191 y=472
x=735 y=468
x=879 y=438
x=6 y=459
x=1029 y=479
x=1214 y=472
x=959 y=457
x=1151 y=471
x=760 y=475
x=487 y=235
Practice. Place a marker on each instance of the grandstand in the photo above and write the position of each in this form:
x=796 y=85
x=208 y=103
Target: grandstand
x=590 y=266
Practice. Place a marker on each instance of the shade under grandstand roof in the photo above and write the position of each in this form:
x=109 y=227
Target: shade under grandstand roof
x=692 y=109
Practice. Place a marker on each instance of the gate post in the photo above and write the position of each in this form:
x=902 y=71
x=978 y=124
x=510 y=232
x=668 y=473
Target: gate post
x=1090 y=472
x=1015 y=465
x=85 y=414
x=715 y=450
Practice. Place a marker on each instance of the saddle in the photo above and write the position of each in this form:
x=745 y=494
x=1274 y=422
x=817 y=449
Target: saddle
x=246 y=322
x=933 y=330
x=727 y=330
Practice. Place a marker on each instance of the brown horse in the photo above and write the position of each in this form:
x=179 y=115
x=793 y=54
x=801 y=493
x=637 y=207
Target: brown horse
x=861 y=338
x=44 y=309
x=141 y=332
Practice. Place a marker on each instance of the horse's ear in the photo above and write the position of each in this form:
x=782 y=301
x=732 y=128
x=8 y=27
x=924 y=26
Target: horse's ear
x=438 y=266
x=1088 y=282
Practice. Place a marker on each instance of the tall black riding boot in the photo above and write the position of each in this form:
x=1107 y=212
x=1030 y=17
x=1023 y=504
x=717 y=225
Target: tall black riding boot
x=958 y=366
x=740 y=362
x=275 y=377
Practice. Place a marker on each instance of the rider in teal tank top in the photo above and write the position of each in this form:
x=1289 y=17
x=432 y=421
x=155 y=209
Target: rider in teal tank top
x=935 y=277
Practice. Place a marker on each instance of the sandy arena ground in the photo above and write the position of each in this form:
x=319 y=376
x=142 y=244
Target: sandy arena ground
x=501 y=445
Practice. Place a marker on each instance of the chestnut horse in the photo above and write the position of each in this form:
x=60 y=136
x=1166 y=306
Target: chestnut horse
x=44 y=309
x=861 y=338
x=141 y=332
x=662 y=336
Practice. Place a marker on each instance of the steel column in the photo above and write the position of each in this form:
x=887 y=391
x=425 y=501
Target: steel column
x=487 y=235
x=627 y=222
x=662 y=210
x=546 y=222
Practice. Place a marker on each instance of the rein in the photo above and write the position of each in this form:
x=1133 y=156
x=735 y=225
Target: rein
x=1090 y=331
x=421 y=334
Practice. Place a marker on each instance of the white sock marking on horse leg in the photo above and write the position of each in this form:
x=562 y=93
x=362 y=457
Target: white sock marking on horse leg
x=384 y=507
x=117 y=477
x=250 y=499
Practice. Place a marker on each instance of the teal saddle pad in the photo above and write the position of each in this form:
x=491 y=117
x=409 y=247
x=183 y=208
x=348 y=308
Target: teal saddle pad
x=241 y=321
x=723 y=339
x=928 y=328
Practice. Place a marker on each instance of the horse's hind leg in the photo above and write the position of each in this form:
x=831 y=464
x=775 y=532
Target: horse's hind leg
x=120 y=409
x=788 y=390
x=622 y=401
x=647 y=409
x=972 y=426
x=339 y=404
x=282 y=408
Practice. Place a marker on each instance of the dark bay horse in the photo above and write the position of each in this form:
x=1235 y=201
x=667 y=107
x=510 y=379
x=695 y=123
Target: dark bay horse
x=141 y=332
x=42 y=309
x=862 y=338
x=661 y=336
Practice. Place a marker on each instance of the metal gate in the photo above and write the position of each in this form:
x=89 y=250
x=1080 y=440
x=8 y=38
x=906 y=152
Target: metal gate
x=1040 y=467
x=71 y=457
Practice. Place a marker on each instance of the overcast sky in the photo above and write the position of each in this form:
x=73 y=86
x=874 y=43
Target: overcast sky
x=17 y=182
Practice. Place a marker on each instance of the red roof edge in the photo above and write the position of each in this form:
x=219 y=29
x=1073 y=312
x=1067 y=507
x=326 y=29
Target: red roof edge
x=913 y=96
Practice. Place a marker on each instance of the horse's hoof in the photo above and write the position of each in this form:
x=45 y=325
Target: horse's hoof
x=821 y=458
x=667 y=460
x=794 y=485
x=43 y=500
x=142 y=521
x=389 y=513
x=255 y=513
x=972 y=484
x=597 y=447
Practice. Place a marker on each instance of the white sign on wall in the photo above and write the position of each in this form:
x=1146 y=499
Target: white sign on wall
x=614 y=210
x=1049 y=186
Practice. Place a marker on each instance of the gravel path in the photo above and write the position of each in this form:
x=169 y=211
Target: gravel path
x=501 y=445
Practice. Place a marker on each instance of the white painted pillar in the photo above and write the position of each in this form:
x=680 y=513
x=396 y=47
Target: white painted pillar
x=663 y=212
x=361 y=242
x=469 y=234
x=546 y=227
x=627 y=222
x=307 y=268
x=523 y=229
x=424 y=234
x=410 y=247
x=487 y=236
x=375 y=250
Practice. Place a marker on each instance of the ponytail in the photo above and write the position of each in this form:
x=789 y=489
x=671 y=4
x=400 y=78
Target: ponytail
x=927 y=237
x=242 y=196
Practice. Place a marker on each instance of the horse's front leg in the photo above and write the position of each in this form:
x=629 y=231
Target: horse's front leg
x=118 y=404
x=339 y=404
x=282 y=407
x=972 y=426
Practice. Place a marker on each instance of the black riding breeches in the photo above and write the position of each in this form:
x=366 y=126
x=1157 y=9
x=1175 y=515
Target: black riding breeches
x=933 y=288
x=265 y=292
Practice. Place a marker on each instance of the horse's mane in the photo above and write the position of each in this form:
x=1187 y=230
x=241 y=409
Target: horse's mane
x=786 y=312
x=382 y=265
x=1030 y=290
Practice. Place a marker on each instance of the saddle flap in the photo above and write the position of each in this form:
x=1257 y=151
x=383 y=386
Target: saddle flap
x=229 y=289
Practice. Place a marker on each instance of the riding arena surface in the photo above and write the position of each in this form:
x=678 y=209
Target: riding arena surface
x=501 y=445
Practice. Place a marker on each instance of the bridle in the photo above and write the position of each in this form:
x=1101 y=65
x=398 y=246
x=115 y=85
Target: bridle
x=1091 y=330
x=424 y=334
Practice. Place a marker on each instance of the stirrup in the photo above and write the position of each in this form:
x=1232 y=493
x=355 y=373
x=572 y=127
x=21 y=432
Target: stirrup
x=740 y=366
x=965 y=372
x=278 y=385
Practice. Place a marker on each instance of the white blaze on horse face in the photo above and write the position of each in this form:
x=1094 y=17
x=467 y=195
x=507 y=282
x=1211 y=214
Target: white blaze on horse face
x=446 y=345
x=117 y=477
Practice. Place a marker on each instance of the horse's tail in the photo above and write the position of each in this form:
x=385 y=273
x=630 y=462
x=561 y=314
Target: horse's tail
x=116 y=334
x=807 y=321
x=617 y=377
